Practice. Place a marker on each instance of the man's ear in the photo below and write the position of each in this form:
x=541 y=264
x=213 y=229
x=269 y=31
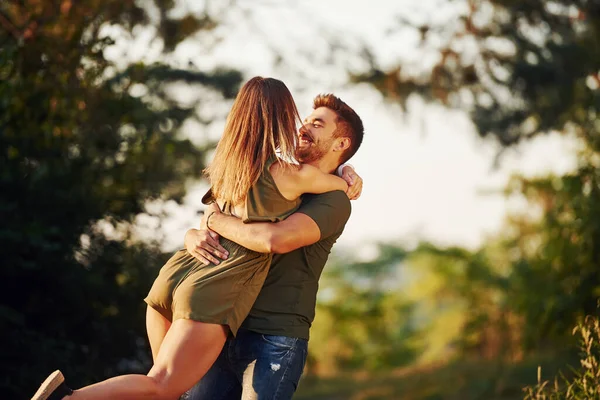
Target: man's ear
x=342 y=143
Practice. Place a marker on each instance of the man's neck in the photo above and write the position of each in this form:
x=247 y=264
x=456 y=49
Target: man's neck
x=325 y=164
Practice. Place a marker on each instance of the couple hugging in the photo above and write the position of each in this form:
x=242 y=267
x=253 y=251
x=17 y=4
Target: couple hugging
x=229 y=315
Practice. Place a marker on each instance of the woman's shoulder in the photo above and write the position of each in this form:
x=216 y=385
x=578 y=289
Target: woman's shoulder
x=279 y=166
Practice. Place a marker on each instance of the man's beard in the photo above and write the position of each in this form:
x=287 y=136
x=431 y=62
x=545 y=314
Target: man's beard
x=312 y=153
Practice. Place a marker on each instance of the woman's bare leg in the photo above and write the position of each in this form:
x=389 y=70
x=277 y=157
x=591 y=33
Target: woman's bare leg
x=156 y=327
x=187 y=352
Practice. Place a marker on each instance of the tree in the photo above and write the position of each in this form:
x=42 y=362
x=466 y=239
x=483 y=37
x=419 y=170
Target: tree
x=521 y=69
x=363 y=320
x=84 y=140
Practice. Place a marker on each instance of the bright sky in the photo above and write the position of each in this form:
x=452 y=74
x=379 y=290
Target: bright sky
x=423 y=171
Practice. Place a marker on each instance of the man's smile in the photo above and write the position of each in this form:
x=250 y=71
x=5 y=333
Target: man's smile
x=305 y=139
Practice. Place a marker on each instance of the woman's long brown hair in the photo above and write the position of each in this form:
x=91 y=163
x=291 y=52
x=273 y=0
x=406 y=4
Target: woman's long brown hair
x=262 y=121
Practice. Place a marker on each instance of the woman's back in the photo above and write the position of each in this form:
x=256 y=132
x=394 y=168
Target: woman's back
x=264 y=201
x=262 y=123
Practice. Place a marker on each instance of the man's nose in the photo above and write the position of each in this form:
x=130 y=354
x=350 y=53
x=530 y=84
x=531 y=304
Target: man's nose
x=303 y=128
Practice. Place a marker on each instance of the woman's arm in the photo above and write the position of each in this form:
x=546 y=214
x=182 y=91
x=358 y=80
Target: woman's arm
x=353 y=180
x=312 y=180
x=294 y=181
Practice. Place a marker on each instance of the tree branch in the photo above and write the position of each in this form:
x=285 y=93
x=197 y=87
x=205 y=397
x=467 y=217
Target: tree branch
x=9 y=26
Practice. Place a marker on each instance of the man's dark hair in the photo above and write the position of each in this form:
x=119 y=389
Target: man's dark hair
x=348 y=122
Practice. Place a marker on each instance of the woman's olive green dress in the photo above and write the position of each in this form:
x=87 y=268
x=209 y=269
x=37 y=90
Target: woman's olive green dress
x=221 y=294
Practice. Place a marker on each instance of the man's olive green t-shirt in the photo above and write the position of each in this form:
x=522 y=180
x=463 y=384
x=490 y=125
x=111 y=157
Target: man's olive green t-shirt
x=286 y=303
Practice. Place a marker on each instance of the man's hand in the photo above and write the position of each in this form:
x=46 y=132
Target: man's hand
x=204 y=245
x=354 y=181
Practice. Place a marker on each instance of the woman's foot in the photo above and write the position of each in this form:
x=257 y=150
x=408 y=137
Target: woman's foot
x=53 y=388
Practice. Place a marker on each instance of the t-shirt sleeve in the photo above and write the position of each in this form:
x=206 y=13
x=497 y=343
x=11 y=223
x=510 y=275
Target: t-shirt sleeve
x=329 y=210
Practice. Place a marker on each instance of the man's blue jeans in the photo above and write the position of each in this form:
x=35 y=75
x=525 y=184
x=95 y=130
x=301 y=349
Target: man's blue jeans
x=254 y=366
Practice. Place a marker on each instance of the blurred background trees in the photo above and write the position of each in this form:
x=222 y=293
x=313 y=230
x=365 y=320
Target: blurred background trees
x=520 y=69
x=88 y=140
x=524 y=69
x=85 y=144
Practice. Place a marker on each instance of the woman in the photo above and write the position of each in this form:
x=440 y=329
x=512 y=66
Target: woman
x=192 y=307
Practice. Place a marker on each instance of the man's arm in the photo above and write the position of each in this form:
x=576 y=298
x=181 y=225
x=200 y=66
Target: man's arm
x=297 y=230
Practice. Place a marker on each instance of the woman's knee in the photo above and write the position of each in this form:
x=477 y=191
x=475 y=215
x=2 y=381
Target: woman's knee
x=162 y=387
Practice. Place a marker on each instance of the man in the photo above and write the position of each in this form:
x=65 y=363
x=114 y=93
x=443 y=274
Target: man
x=266 y=359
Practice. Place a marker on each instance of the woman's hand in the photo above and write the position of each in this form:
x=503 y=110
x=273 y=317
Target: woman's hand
x=354 y=181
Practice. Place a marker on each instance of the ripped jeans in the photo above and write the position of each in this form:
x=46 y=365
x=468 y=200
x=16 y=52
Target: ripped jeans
x=254 y=366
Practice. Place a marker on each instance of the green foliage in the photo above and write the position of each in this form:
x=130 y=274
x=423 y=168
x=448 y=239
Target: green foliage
x=585 y=381
x=521 y=67
x=416 y=306
x=525 y=68
x=79 y=145
x=461 y=297
x=360 y=322
x=555 y=276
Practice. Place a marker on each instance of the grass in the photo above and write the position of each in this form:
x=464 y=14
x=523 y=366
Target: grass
x=464 y=380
